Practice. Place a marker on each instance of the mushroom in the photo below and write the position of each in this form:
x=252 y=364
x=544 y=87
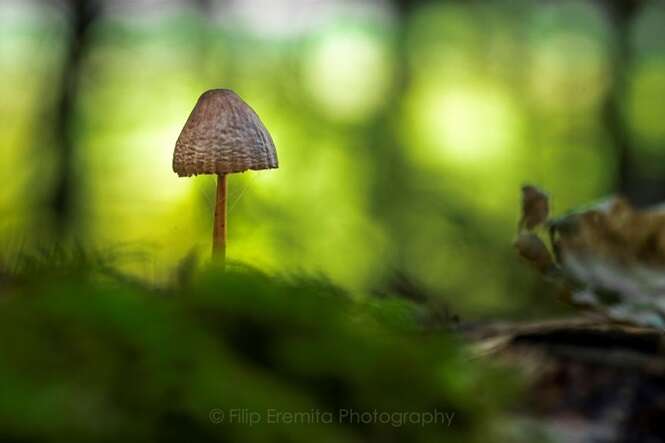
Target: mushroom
x=222 y=135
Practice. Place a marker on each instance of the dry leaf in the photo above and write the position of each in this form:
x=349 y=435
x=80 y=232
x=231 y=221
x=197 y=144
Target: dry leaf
x=534 y=251
x=535 y=207
x=610 y=255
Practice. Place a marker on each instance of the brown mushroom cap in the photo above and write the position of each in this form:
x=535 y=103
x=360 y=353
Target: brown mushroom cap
x=223 y=135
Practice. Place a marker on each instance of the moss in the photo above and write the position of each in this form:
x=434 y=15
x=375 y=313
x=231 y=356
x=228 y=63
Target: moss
x=89 y=357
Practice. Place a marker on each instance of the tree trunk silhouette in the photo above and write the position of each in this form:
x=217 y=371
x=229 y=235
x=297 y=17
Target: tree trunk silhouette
x=639 y=189
x=62 y=200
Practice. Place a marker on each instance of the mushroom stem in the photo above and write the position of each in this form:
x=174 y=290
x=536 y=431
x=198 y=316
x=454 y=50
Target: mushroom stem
x=219 y=233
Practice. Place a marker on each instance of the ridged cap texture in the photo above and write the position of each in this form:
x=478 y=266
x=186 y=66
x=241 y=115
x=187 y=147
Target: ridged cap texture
x=223 y=135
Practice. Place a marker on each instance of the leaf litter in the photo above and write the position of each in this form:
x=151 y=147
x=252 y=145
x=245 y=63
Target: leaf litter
x=608 y=257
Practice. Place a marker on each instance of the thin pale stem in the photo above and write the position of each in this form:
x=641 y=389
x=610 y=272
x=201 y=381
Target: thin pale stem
x=219 y=232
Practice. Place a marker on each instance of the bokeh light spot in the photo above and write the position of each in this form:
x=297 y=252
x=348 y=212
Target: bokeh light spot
x=646 y=104
x=568 y=56
x=568 y=69
x=348 y=74
x=465 y=123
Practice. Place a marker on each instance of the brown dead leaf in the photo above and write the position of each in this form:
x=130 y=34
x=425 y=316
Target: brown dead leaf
x=535 y=207
x=609 y=256
x=533 y=250
x=614 y=231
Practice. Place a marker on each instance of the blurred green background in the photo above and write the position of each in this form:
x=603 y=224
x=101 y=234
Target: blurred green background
x=404 y=130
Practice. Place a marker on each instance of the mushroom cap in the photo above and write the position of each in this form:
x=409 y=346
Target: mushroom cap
x=223 y=135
